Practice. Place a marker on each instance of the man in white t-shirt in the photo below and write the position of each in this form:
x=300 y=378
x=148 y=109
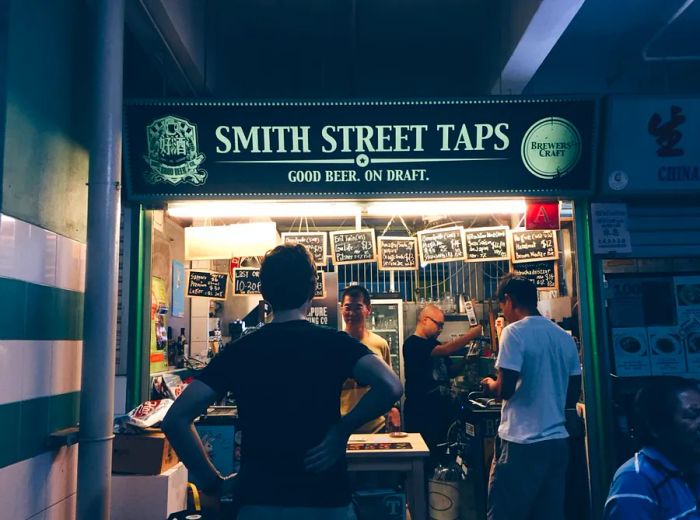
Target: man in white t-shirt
x=539 y=375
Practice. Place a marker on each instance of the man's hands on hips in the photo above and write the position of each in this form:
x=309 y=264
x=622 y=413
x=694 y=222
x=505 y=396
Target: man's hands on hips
x=324 y=455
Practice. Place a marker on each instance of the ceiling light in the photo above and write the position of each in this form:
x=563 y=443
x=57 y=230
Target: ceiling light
x=232 y=208
x=426 y=208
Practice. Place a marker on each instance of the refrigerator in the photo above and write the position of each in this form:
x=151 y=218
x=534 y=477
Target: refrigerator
x=387 y=320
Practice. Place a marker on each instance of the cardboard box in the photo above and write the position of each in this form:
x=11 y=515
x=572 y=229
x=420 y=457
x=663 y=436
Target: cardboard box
x=149 y=453
x=149 y=496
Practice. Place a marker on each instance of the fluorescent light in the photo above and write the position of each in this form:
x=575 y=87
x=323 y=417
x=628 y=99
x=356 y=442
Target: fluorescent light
x=444 y=207
x=213 y=242
x=231 y=208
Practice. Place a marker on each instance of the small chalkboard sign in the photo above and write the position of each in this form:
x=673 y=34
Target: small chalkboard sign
x=320 y=285
x=353 y=247
x=246 y=280
x=544 y=275
x=207 y=284
x=489 y=243
x=397 y=253
x=315 y=241
x=534 y=245
x=441 y=245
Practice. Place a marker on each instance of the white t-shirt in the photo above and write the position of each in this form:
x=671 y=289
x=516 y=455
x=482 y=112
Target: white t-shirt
x=545 y=356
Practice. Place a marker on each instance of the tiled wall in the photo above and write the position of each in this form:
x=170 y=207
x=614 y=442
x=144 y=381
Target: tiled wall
x=41 y=313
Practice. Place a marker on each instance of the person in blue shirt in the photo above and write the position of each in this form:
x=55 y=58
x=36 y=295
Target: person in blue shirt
x=662 y=480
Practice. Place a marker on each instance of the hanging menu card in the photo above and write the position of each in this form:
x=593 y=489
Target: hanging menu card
x=207 y=284
x=246 y=280
x=353 y=247
x=315 y=241
x=441 y=245
x=484 y=244
x=320 y=291
x=397 y=253
x=543 y=274
x=534 y=245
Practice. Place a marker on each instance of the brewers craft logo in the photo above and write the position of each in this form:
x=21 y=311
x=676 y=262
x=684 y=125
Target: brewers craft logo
x=173 y=154
x=551 y=148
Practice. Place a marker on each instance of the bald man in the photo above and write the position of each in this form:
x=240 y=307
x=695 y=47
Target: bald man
x=428 y=370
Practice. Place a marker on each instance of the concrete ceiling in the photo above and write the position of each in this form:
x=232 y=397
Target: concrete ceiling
x=409 y=48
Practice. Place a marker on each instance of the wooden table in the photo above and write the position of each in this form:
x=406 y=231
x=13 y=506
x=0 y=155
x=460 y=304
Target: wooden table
x=409 y=461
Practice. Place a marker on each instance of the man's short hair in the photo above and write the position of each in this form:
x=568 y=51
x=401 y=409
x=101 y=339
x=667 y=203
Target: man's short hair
x=357 y=291
x=288 y=277
x=522 y=291
x=655 y=405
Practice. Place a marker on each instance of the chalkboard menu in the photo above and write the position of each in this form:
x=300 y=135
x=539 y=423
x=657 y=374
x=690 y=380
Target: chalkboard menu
x=207 y=284
x=315 y=241
x=246 y=280
x=441 y=245
x=353 y=247
x=490 y=243
x=397 y=253
x=320 y=285
x=534 y=245
x=543 y=274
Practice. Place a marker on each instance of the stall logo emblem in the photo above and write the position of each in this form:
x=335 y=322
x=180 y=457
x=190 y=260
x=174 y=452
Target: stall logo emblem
x=173 y=153
x=551 y=148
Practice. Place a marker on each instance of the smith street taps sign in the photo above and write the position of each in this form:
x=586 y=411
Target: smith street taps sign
x=210 y=149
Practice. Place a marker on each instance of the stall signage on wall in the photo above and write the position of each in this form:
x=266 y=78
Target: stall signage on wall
x=211 y=149
x=652 y=145
x=610 y=232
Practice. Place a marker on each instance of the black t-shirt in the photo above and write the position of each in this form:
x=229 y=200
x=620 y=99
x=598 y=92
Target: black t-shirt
x=425 y=375
x=286 y=379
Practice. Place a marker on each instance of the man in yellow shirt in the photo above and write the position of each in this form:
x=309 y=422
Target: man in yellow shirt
x=356 y=307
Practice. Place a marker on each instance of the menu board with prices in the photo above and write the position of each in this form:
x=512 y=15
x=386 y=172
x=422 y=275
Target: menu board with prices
x=246 y=280
x=314 y=241
x=320 y=291
x=534 y=245
x=207 y=284
x=353 y=247
x=397 y=253
x=441 y=245
x=544 y=275
x=485 y=244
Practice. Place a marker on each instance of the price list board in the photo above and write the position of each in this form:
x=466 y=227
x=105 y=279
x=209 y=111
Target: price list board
x=441 y=245
x=534 y=245
x=487 y=244
x=544 y=275
x=314 y=241
x=353 y=247
x=397 y=253
x=207 y=284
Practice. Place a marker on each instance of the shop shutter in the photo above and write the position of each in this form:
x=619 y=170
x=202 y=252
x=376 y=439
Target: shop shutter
x=664 y=231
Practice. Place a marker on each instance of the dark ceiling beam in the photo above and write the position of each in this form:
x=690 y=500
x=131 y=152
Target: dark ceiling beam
x=153 y=28
x=534 y=28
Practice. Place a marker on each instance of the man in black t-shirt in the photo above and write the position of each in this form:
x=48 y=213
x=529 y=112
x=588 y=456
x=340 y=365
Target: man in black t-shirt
x=286 y=379
x=428 y=370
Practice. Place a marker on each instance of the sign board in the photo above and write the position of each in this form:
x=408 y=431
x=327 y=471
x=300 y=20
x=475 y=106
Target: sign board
x=542 y=215
x=484 y=244
x=441 y=245
x=207 y=284
x=397 y=253
x=652 y=146
x=545 y=275
x=534 y=245
x=315 y=241
x=353 y=247
x=320 y=285
x=610 y=232
x=246 y=280
x=177 y=150
x=324 y=311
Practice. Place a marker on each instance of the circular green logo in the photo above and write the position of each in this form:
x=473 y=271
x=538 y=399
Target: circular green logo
x=551 y=148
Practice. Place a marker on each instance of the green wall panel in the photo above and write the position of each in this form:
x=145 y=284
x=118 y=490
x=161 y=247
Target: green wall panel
x=37 y=312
